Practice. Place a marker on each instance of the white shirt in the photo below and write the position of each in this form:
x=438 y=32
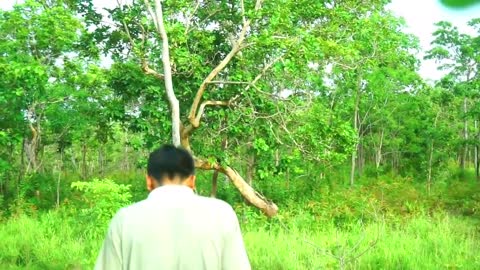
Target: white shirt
x=174 y=229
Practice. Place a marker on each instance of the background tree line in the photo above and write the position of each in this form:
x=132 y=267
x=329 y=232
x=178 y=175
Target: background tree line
x=269 y=92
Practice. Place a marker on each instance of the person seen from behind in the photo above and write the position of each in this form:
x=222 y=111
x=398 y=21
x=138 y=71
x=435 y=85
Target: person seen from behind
x=173 y=229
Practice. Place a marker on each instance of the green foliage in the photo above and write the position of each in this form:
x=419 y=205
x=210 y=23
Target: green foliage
x=451 y=242
x=49 y=242
x=100 y=200
x=459 y=3
x=331 y=82
x=322 y=224
x=20 y=206
x=326 y=137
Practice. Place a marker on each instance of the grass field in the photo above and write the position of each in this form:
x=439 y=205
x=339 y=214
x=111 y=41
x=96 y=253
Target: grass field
x=52 y=241
x=329 y=228
x=421 y=243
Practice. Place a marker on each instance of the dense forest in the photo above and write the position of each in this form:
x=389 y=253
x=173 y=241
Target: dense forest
x=309 y=117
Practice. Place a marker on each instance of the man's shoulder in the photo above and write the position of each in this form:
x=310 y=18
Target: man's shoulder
x=202 y=205
x=218 y=211
x=215 y=203
x=200 y=201
x=131 y=209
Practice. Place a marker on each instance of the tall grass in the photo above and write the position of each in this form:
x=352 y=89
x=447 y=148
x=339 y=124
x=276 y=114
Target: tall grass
x=52 y=241
x=386 y=224
x=46 y=242
x=421 y=243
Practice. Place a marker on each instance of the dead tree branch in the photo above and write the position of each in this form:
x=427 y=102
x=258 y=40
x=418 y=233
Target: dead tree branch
x=267 y=207
x=236 y=47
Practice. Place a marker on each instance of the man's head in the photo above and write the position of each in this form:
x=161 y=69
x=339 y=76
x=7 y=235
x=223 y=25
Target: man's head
x=170 y=165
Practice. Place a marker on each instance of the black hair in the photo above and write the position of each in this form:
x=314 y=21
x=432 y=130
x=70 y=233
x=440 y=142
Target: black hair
x=170 y=161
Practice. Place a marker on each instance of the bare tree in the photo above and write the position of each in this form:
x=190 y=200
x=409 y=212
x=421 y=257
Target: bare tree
x=181 y=134
x=157 y=17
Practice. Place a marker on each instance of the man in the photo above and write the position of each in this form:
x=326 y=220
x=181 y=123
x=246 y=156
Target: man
x=173 y=229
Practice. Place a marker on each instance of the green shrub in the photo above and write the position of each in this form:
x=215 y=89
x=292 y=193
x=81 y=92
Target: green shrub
x=99 y=201
x=135 y=180
x=20 y=206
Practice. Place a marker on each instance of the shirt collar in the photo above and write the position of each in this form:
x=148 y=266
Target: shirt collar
x=170 y=190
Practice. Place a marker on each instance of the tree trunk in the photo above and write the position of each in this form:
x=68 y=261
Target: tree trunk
x=157 y=18
x=84 y=160
x=476 y=160
x=31 y=148
x=101 y=159
x=213 y=193
x=4 y=185
x=126 y=159
x=74 y=161
x=60 y=172
x=360 y=156
x=22 y=167
x=395 y=163
x=251 y=168
x=430 y=156
x=267 y=207
x=352 y=169
x=463 y=160
x=356 y=123
x=378 y=151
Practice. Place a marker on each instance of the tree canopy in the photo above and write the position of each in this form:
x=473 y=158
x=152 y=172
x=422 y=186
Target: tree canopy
x=256 y=90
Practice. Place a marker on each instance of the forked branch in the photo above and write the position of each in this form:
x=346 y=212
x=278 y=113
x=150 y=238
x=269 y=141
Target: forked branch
x=145 y=67
x=187 y=131
x=195 y=121
x=147 y=70
x=236 y=47
x=267 y=207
